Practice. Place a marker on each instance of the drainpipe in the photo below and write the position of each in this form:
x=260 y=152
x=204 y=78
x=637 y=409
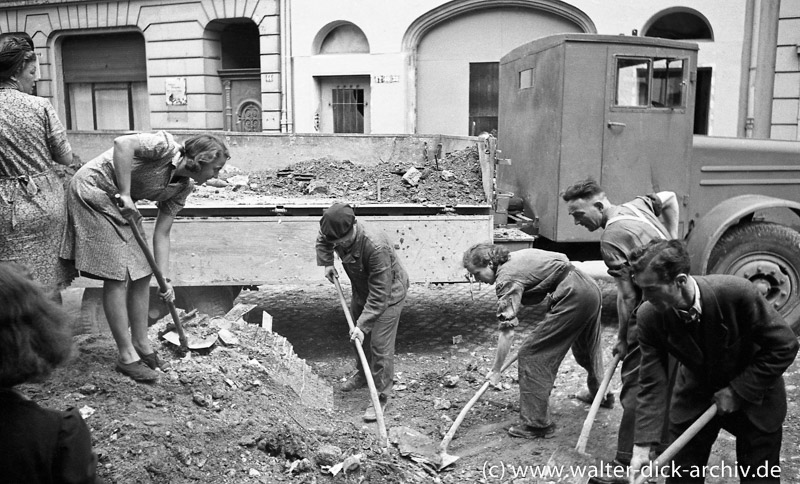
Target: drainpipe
x=750 y=119
x=287 y=98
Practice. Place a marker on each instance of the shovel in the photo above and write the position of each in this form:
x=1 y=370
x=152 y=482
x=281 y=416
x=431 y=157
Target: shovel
x=373 y=393
x=184 y=342
x=572 y=458
x=678 y=444
x=448 y=459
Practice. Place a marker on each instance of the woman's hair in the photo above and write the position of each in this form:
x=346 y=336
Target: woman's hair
x=15 y=54
x=203 y=149
x=34 y=331
x=480 y=255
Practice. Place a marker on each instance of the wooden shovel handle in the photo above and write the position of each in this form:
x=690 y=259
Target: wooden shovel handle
x=373 y=392
x=682 y=440
x=598 y=399
x=162 y=283
x=450 y=433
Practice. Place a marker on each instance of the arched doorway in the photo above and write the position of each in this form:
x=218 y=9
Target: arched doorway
x=682 y=23
x=456 y=50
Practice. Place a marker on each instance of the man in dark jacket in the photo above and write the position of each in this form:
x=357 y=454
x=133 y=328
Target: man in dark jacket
x=732 y=348
x=379 y=290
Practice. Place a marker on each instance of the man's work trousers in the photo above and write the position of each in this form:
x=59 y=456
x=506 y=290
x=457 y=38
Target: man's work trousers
x=379 y=347
x=571 y=321
x=757 y=452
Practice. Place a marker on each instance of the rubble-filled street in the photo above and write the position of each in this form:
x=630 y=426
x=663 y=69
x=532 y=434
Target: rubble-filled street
x=228 y=416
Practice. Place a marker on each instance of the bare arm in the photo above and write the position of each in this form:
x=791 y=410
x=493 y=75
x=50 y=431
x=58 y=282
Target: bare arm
x=161 y=246
x=504 y=342
x=124 y=149
x=65 y=159
x=626 y=302
x=670 y=212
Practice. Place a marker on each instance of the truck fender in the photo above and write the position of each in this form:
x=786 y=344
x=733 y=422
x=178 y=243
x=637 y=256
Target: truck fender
x=713 y=225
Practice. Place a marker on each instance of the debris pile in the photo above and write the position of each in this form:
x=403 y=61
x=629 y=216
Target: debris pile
x=455 y=179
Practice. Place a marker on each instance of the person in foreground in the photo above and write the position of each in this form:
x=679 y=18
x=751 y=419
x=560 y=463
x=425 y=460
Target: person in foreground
x=625 y=227
x=732 y=349
x=39 y=445
x=148 y=166
x=379 y=286
x=527 y=277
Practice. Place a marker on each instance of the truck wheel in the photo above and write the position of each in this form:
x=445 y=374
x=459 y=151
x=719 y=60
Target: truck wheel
x=92 y=319
x=768 y=255
x=210 y=300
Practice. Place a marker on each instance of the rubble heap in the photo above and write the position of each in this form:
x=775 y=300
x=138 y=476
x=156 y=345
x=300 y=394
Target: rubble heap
x=455 y=179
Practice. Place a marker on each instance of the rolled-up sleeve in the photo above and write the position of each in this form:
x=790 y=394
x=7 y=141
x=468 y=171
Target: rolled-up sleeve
x=509 y=299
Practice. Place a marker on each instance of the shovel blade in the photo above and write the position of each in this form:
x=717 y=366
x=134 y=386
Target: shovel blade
x=193 y=343
x=447 y=460
x=567 y=460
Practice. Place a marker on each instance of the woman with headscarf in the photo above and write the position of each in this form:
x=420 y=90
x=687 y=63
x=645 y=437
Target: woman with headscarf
x=33 y=140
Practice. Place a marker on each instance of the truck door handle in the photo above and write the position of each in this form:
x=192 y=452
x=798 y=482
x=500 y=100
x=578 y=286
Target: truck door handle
x=611 y=124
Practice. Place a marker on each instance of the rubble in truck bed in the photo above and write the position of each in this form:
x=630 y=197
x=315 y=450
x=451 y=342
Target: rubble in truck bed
x=452 y=180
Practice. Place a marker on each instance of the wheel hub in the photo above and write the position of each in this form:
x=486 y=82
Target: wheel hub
x=769 y=277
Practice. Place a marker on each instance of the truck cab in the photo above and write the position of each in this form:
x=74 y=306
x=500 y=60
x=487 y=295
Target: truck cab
x=620 y=110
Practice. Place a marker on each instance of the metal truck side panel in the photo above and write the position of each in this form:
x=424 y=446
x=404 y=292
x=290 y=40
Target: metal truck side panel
x=725 y=167
x=530 y=128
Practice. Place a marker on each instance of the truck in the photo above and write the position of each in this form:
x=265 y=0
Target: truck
x=620 y=110
x=617 y=109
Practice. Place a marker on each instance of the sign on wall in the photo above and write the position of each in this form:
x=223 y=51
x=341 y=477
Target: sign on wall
x=175 y=89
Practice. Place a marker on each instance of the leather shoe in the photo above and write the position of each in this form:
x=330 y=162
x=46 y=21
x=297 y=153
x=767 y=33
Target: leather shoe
x=529 y=432
x=586 y=397
x=153 y=361
x=355 y=381
x=369 y=414
x=137 y=370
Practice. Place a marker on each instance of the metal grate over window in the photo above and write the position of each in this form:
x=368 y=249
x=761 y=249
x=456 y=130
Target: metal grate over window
x=348 y=110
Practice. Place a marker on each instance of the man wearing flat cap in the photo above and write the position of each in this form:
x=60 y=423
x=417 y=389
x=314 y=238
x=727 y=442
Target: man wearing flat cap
x=379 y=290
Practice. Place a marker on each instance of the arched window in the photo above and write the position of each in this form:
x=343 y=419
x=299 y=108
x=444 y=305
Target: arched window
x=679 y=24
x=344 y=39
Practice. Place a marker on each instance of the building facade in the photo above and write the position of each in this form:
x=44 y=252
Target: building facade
x=377 y=66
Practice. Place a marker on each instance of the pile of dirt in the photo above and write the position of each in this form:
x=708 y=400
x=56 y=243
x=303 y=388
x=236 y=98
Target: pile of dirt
x=221 y=415
x=453 y=180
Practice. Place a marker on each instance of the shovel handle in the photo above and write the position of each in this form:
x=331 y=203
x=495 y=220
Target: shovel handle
x=373 y=392
x=681 y=441
x=162 y=283
x=598 y=399
x=450 y=433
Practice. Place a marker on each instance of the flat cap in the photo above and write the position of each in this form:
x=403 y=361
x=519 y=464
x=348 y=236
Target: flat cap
x=337 y=221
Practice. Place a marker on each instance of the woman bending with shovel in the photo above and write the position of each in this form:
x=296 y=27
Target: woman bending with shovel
x=148 y=166
x=527 y=277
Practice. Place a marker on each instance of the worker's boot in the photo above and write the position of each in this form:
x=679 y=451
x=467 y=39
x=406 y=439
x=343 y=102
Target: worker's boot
x=355 y=381
x=528 y=432
x=586 y=397
x=370 y=415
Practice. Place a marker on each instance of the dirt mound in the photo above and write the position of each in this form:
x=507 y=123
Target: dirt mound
x=220 y=415
x=455 y=179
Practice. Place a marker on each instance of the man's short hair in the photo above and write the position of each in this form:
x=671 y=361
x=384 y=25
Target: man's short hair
x=585 y=189
x=666 y=258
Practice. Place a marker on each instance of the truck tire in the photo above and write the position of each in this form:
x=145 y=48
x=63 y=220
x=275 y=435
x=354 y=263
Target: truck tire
x=210 y=300
x=767 y=254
